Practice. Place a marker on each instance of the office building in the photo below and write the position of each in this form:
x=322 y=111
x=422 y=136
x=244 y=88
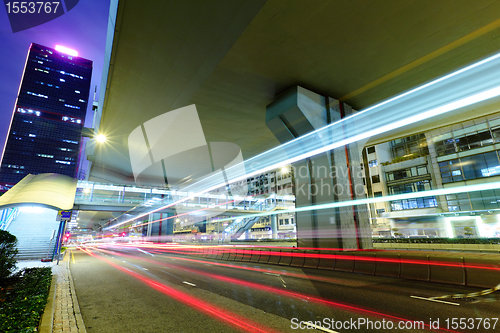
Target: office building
x=48 y=117
x=462 y=154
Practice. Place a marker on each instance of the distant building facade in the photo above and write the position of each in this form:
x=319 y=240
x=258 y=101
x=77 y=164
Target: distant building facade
x=45 y=131
x=462 y=154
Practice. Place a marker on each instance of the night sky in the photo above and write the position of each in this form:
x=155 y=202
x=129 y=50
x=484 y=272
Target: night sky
x=83 y=29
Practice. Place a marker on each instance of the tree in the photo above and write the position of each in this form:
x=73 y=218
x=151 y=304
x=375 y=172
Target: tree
x=8 y=251
x=468 y=231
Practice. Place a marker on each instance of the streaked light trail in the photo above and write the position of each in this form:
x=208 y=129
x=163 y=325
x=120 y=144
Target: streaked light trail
x=468 y=86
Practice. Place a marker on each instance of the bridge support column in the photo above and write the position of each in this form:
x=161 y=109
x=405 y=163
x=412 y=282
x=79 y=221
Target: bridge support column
x=333 y=176
x=274 y=226
x=163 y=229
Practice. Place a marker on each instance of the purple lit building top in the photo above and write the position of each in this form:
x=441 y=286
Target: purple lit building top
x=45 y=131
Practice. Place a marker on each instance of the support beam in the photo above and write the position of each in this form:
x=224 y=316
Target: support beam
x=324 y=178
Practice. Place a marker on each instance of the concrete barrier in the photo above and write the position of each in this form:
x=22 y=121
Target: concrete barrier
x=239 y=255
x=446 y=269
x=487 y=248
x=481 y=271
x=255 y=256
x=205 y=251
x=214 y=253
x=275 y=257
x=311 y=260
x=326 y=263
x=226 y=252
x=364 y=262
x=344 y=261
x=286 y=257
x=472 y=247
x=388 y=264
x=247 y=254
x=221 y=252
x=297 y=259
x=232 y=254
x=264 y=256
x=415 y=271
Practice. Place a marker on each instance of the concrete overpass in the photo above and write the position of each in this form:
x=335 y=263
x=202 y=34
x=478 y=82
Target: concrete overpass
x=233 y=58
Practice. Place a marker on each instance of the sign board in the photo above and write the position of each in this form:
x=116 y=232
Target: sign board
x=63 y=215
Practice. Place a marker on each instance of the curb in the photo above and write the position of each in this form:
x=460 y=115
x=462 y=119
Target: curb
x=76 y=307
x=47 y=320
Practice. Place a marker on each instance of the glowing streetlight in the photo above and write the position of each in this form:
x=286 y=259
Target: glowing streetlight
x=101 y=138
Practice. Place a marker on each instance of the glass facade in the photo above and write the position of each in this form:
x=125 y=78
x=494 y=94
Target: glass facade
x=45 y=132
x=423 y=185
x=412 y=145
x=420 y=170
x=476 y=141
x=481 y=134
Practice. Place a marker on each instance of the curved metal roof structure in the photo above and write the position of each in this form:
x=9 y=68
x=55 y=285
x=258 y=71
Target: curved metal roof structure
x=50 y=190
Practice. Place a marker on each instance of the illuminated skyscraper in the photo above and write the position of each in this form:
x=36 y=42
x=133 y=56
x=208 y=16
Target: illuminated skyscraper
x=45 y=131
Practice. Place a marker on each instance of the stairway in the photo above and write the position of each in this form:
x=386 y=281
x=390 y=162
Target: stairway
x=245 y=225
x=33 y=229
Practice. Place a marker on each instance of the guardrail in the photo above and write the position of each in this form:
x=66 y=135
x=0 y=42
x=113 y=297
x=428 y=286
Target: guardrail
x=467 y=269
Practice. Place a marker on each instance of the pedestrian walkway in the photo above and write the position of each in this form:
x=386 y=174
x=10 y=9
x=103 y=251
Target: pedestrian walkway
x=67 y=316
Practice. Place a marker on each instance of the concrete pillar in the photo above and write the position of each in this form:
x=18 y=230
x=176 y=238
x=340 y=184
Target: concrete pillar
x=274 y=226
x=161 y=231
x=332 y=176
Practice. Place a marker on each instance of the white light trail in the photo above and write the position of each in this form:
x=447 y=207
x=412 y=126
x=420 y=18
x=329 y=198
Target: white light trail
x=468 y=86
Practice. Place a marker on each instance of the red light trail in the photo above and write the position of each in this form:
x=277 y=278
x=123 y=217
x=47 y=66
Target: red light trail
x=276 y=291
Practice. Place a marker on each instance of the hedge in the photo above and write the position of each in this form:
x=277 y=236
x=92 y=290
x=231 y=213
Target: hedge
x=439 y=240
x=23 y=306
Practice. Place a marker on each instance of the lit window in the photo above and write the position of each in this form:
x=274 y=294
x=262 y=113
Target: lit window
x=46 y=156
x=71 y=106
x=32 y=135
x=37 y=95
x=63 y=162
x=62 y=80
x=77 y=91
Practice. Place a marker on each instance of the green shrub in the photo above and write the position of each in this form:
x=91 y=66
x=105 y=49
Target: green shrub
x=439 y=240
x=8 y=251
x=23 y=306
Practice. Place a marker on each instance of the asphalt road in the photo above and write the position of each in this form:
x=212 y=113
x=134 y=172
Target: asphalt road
x=127 y=289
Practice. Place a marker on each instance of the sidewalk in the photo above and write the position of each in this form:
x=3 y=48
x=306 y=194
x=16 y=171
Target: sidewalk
x=65 y=309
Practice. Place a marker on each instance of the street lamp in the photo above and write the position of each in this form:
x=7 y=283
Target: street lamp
x=101 y=138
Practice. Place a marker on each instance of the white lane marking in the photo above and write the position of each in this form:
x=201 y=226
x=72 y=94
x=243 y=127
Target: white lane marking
x=189 y=283
x=282 y=281
x=145 y=269
x=318 y=327
x=435 y=300
x=146 y=252
x=274 y=274
x=207 y=264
